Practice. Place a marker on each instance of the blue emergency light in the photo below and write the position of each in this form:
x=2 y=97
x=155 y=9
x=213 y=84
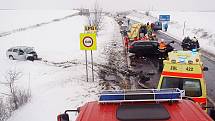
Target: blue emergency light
x=140 y=95
x=182 y=59
x=194 y=50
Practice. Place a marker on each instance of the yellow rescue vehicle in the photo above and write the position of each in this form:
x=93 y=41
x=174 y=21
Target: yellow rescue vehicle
x=184 y=70
x=134 y=31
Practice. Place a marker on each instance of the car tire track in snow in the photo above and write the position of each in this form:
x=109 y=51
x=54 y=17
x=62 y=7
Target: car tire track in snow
x=36 y=25
x=68 y=64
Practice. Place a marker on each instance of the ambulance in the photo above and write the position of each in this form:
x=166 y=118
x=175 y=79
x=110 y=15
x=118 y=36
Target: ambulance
x=184 y=70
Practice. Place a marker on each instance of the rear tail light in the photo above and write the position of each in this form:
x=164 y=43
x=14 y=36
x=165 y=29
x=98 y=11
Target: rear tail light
x=63 y=117
x=202 y=102
x=130 y=47
x=203 y=105
x=58 y=118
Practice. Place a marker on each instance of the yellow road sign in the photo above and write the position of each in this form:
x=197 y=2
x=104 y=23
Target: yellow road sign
x=87 y=41
x=90 y=29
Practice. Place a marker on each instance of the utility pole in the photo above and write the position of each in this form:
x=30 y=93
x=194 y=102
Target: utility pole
x=184 y=27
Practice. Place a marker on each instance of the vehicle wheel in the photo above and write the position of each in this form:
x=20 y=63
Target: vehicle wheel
x=35 y=57
x=11 y=57
x=30 y=58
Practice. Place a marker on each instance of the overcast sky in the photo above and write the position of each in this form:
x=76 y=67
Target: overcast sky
x=190 y=5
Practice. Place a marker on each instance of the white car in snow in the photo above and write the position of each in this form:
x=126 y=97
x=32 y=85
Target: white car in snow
x=22 y=53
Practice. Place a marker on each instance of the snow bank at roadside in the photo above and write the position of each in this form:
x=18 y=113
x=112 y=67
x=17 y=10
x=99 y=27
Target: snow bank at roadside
x=54 y=91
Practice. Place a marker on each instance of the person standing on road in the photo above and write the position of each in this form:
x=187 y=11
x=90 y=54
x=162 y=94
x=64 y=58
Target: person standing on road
x=128 y=22
x=149 y=29
x=162 y=49
x=141 y=32
x=162 y=44
x=195 y=43
x=152 y=26
x=165 y=26
x=144 y=30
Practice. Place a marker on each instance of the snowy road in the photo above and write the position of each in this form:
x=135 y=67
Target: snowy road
x=208 y=61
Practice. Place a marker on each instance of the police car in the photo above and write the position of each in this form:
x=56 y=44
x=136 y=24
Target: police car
x=184 y=70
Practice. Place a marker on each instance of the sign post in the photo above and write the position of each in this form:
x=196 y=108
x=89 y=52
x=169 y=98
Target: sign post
x=164 y=19
x=184 y=27
x=92 y=64
x=88 y=42
x=86 y=64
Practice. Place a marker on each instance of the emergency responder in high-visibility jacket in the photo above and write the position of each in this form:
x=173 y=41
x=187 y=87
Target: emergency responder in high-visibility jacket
x=162 y=45
x=149 y=29
x=162 y=49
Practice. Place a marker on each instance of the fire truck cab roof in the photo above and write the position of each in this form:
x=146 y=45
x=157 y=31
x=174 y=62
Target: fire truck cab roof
x=139 y=105
x=184 y=110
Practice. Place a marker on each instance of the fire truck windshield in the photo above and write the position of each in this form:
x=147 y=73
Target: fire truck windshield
x=191 y=86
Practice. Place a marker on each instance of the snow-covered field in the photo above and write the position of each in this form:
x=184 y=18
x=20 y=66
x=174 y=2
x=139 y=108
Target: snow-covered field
x=54 y=89
x=14 y=19
x=199 y=24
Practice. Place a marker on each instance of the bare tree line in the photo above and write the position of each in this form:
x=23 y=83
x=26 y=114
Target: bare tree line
x=15 y=97
x=95 y=16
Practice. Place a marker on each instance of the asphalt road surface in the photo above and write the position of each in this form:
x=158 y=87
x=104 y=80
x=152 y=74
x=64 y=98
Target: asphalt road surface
x=149 y=66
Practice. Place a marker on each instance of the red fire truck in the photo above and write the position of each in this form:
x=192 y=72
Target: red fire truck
x=140 y=105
